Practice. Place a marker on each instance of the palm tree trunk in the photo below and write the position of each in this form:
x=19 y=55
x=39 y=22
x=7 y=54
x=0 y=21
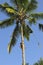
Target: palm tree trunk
x=23 y=47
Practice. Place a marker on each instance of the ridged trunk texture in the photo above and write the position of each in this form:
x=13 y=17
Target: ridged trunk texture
x=23 y=47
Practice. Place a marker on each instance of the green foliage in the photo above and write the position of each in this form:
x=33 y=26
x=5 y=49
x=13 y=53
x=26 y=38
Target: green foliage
x=7 y=8
x=41 y=26
x=32 y=5
x=40 y=62
x=20 y=3
x=7 y=22
x=34 y=16
x=14 y=37
x=37 y=15
x=26 y=31
x=31 y=20
x=36 y=64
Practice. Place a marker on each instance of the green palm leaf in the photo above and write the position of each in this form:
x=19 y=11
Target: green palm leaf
x=32 y=5
x=31 y=20
x=7 y=22
x=41 y=27
x=13 y=38
x=34 y=16
x=37 y=15
x=8 y=9
x=25 y=3
x=17 y=2
x=20 y=3
x=26 y=31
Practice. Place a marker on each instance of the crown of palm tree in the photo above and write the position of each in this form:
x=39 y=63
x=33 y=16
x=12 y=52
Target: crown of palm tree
x=19 y=12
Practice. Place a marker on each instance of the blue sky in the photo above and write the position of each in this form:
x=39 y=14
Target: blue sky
x=33 y=52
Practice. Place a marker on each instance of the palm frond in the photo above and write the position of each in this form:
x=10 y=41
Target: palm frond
x=7 y=22
x=17 y=3
x=32 y=5
x=29 y=29
x=7 y=8
x=37 y=15
x=26 y=31
x=4 y=5
x=32 y=20
x=20 y=3
x=25 y=3
x=41 y=27
x=13 y=39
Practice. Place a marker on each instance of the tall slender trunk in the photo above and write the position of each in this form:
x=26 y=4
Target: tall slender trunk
x=23 y=47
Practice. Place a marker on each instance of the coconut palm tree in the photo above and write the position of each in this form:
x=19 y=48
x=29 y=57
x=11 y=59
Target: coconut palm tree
x=19 y=13
x=40 y=62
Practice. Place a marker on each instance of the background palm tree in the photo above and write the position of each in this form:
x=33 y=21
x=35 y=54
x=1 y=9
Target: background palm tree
x=18 y=13
x=40 y=62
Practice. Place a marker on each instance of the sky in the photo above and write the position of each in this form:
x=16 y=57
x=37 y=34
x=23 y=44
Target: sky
x=33 y=51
